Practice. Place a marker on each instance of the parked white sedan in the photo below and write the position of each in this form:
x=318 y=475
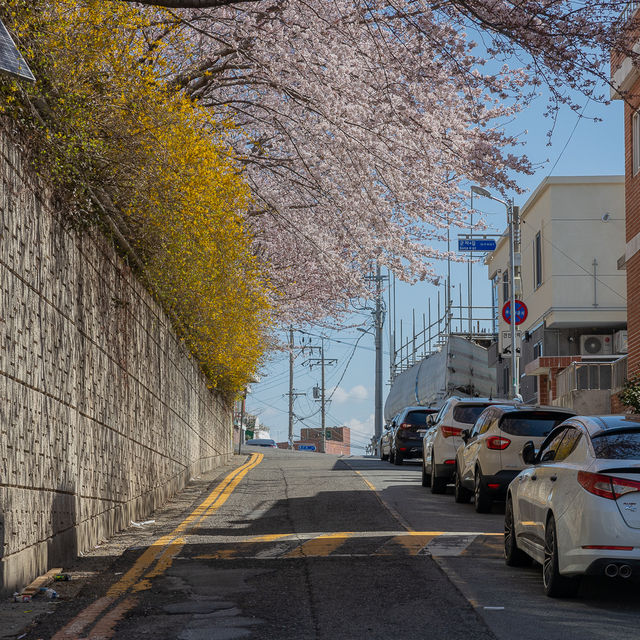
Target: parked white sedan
x=576 y=508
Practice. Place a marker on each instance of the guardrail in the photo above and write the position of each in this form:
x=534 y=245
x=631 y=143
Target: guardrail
x=584 y=376
x=454 y=320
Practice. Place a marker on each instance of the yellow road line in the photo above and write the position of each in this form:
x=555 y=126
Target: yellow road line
x=394 y=512
x=163 y=551
x=321 y=546
x=204 y=509
x=412 y=543
x=242 y=548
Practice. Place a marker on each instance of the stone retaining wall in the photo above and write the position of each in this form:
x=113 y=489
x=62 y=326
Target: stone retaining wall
x=103 y=413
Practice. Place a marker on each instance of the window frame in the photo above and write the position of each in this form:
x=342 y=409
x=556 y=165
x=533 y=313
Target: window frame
x=537 y=260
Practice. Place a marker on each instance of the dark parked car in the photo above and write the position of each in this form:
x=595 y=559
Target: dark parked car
x=403 y=437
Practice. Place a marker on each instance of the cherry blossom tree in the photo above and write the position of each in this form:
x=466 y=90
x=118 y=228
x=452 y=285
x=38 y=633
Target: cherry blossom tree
x=360 y=123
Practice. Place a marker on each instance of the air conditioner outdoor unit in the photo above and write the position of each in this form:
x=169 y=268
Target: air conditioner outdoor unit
x=596 y=345
x=620 y=342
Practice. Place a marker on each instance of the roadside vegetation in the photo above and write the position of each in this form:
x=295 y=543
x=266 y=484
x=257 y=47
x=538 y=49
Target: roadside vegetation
x=118 y=145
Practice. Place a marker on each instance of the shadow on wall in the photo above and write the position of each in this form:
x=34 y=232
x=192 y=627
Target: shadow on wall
x=62 y=546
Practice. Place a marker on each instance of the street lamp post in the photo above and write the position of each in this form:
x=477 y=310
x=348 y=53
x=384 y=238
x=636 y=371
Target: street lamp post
x=515 y=386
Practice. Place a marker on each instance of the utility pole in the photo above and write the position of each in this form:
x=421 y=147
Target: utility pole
x=293 y=394
x=290 y=440
x=244 y=399
x=379 y=321
x=323 y=362
x=378 y=324
x=513 y=215
x=513 y=221
x=322 y=401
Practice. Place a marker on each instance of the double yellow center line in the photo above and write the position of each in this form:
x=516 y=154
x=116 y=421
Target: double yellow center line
x=160 y=553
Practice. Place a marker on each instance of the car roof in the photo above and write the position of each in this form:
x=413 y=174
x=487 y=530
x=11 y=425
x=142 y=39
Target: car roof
x=501 y=401
x=598 y=424
x=534 y=407
x=419 y=408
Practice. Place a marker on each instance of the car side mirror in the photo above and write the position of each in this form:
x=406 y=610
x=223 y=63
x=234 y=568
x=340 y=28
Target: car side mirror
x=465 y=433
x=529 y=453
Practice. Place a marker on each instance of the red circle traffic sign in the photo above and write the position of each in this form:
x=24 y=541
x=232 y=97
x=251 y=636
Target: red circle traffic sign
x=521 y=312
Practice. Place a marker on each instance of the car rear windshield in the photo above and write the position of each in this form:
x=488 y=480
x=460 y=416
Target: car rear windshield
x=417 y=418
x=536 y=424
x=468 y=413
x=622 y=445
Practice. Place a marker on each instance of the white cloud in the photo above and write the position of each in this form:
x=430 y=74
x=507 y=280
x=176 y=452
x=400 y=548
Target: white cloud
x=361 y=431
x=356 y=394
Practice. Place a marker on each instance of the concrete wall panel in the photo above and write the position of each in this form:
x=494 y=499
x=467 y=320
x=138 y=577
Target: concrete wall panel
x=103 y=413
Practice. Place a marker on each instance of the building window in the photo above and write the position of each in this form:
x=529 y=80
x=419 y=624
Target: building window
x=537 y=349
x=505 y=287
x=635 y=132
x=537 y=260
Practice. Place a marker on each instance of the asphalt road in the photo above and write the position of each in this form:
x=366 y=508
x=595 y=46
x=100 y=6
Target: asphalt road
x=510 y=600
x=300 y=545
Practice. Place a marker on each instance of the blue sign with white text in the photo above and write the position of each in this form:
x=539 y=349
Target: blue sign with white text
x=476 y=244
x=306 y=447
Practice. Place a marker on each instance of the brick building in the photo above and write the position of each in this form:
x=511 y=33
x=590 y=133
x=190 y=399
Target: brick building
x=625 y=77
x=338 y=441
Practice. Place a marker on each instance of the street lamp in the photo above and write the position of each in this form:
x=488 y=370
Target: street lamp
x=480 y=191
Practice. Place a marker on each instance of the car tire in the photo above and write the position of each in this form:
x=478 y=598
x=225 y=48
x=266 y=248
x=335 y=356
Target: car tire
x=397 y=458
x=555 y=584
x=426 y=478
x=461 y=494
x=438 y=485
x=513 y=556
x=482 y=501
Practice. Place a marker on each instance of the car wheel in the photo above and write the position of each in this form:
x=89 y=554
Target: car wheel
x=481 y=499
x=555 y=585
x=426 y=478
x=460 y=493
x=438 y=485
x=513 y=556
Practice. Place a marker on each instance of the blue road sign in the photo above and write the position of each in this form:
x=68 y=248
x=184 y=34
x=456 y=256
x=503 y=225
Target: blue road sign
x=306 y=447
x=476 y=244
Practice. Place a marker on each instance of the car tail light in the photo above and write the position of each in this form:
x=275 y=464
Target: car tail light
x=403 y=448
x=406 y=425
x=448 y=432
x=607 y=486
x=497 y=442
x=449 y=461
x=608 y=548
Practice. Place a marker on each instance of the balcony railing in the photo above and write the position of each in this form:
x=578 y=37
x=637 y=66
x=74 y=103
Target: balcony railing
x=584 y=376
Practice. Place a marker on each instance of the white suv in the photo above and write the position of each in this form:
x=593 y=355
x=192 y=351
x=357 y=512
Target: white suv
x=442 y=439
x=491 y=456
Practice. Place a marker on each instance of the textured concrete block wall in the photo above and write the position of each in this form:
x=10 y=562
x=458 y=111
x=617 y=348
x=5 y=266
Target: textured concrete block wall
x=103 y=414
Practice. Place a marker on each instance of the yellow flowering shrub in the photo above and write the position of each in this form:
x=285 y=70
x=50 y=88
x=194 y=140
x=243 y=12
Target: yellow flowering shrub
x=110 y=124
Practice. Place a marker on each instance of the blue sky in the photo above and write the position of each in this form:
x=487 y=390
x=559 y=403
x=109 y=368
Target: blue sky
x=579 y=147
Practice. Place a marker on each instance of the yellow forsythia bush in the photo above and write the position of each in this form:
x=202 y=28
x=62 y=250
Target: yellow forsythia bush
x=113 y=123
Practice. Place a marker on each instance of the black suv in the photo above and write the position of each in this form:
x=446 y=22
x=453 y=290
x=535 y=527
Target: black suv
x=403 y=438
